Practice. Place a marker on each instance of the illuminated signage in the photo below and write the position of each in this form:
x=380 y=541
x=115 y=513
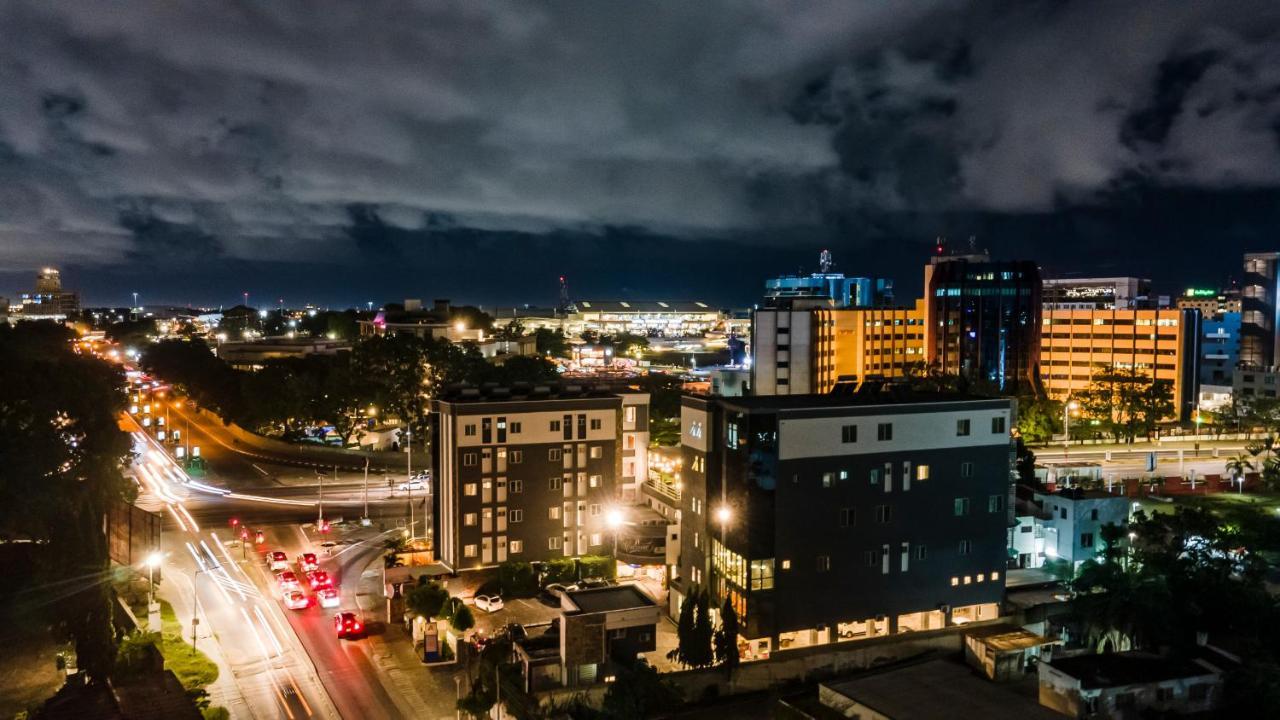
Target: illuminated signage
x=1200 y=292
x=1090 y=292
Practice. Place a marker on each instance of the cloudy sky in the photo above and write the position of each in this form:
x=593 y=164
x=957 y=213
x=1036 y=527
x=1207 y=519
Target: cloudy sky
x=340 y=152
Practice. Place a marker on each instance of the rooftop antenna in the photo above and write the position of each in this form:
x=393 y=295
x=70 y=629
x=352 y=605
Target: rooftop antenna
x=824 y=261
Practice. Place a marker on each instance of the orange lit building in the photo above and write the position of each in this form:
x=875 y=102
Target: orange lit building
x=1159 y=343
x=857 y=343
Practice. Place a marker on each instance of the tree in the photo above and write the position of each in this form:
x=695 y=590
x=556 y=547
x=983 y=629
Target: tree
x=727 y=638
x=427 y=598
x=551 y=342
x=703 y=632
x=639 y=692
x=517 y=579
x=1125 y=402
x=1239 y=466
x=684 y=652
x=1039 y=419
x=462 y=619
x=62 y=469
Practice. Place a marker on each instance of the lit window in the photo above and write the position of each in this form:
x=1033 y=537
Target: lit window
x=516 y=546
x=597 y=452
x=469 y=551
x=955 y=581
x=554 y=543
x=995 y=576
x=968 y=579
x=469 y=519
x=596 y=539
x=469 y=489
x=786 y=564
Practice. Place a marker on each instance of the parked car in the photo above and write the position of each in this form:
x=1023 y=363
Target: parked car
x=415 y=483
x=551 y=594
x=288 y=581
x=328 y=597
x=488 y=603
x=277 y=560
x=347 y=625
x=592 y=583
x=307 y=562
x=295 y=600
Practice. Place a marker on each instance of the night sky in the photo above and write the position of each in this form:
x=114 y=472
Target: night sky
x=343 y=152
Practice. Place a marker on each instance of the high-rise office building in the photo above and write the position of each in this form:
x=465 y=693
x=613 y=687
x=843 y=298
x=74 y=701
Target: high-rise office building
x=49 y=300
x=828 y=518
x=984 y=319
x=1260 y=309
x=1089 y=293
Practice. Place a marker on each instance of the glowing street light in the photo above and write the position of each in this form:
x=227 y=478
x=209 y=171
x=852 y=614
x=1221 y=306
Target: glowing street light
x=152 y=562
x=724 y=515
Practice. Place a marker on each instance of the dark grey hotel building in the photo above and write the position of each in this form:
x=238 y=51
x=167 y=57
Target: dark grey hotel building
x=528 y=473
x=828 y=518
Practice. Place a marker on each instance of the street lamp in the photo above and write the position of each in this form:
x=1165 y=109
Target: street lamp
x=613 y=519
x=152 y=562
x=1067 y=410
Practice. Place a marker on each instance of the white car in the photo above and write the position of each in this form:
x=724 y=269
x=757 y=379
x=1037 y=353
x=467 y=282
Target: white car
x=488 y=603
x=414 y=484
x=328 y=598
x=278 y=561
x=295 y=600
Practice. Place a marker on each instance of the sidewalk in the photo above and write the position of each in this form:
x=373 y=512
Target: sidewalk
x=429 y=692
x=224 y=691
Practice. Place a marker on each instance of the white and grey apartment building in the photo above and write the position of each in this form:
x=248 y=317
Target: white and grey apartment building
x=528 y=473
x=828 y=518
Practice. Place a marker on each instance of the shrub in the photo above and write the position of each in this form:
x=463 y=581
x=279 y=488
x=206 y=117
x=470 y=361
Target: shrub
x=516 y=579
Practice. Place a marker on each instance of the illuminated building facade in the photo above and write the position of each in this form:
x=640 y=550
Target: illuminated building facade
x=1160 y=343
x=1087 y=293
x=1260 y=309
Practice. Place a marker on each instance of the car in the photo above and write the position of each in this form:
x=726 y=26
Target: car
x=328 y=597
x=414 y=484
x=552 y=593
x=347 y=625
x=288 y=581
x=307 y=562
x=516 y=632
x=277 y=561
x=295 y=600
x=488 y=603
x=318 y=579
x=591 y=583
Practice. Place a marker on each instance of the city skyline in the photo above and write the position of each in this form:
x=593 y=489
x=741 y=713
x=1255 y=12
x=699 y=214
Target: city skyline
x=277 y=152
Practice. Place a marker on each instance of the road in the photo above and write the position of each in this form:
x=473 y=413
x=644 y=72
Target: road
x=286 y=664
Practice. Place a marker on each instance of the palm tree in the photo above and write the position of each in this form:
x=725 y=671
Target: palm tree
x=1238 y=466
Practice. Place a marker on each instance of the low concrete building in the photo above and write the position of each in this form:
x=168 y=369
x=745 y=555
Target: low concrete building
x=604 y=623
x=1128 y=685
x=1002 y=651
x=252 y=355
x=1073 y=521
x=933 y=690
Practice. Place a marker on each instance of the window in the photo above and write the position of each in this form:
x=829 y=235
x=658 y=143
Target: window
x=962 y=427
x=596 y=452
x=827 y=479
x=469 y=430
x=594 y=481
x=966 y=547
x=824 y=563
x=1093 y=514
x=995 y=503
x=554 y=455
x=849 y=434
x=515 y=516
x=966 y=469
x=846 y=517
x=595 y=423
x=1063 y=512
x=469 y=489
x=871 y=558
x=995 y=576
x=629 y=414
x=884 y=431
x=697 y=539
x=997 y=425
x=961 y=506
x=955 y=581
x=554 y=543
x=884 y=514
x=1198 y=692
x=515 y=547
x=786 y=564
x=695 y=504
x=468 y=459
x=517 y=457
x=555 y=426
x=469 y=519
x=844 y=475
x=922 y=552
x=553 y=513
x=922 y=472
x=875 y=476
x=596 y=539
x=1086 y=540
x=516 y=486
x=469 y=551
x=555 y=483
x=595 y=509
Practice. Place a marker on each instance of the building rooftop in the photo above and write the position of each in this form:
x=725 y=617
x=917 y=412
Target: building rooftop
x=1003 y=637
x=643 y=306
x=609 y=599
x=492 y=392
x=937 y=689
x=1126 y=668
x=895 y=396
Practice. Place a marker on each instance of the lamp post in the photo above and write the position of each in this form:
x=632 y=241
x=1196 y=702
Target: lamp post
x=1067 y=409
x=195 y=614
x=613 y=519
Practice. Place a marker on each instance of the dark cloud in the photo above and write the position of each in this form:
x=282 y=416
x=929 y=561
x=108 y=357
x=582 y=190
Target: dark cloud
x=354 y=136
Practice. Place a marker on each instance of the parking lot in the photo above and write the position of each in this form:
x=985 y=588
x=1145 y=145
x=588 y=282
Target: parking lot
x=524 y=611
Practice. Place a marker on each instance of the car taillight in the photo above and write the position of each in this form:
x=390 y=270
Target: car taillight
x=357 y=626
